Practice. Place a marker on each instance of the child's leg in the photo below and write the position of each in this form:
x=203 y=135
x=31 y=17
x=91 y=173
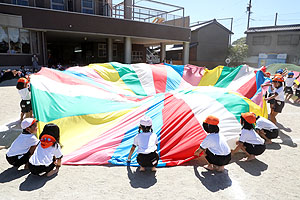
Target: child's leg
x=22 y=116
x=251 y=157
x=220 y=168
x=142 y=169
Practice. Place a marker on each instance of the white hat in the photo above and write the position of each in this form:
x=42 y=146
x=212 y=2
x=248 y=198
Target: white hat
x=146 y=121
x=27 y=122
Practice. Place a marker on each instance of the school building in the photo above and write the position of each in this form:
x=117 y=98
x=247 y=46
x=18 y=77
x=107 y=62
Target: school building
x=72 y=32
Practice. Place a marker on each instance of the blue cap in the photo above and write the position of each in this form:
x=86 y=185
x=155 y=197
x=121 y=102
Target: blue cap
x=280 y=71
x=291 y=74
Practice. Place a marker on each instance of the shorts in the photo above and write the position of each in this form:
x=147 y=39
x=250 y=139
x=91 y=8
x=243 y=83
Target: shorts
x=218 y=160
x=25 y=106
x=278 y=106
x=297 y=93
x=38 y=169
x=148 y=160
x=271 y=134
x=18 y=160
x=271 y=101
x=255 y=149
x=288 y=90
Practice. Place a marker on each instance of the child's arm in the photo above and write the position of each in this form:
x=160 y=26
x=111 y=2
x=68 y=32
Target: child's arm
x=130 y=153
x=198 y=151
x=58 y=162
x=31 y=150
x=272 y=97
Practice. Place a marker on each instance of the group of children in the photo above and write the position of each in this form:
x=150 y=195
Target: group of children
x=41 y=156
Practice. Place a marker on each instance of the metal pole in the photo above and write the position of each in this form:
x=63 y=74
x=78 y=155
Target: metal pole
x=231 y=31
x=276 y=19
x=249 y=13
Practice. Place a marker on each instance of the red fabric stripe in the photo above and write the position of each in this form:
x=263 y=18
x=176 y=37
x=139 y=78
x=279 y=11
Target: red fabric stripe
x=181 y=133
x=159 y=73
x=248 y=89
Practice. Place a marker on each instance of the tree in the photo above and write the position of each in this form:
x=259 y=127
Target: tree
x=238 y=51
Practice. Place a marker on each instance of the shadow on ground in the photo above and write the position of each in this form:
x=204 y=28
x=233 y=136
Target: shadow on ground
x=253 y=167
x=11 y=174
x=34 y=182
x=286 y=140
x=9 y=133
x=141 y=179
x=214 y=181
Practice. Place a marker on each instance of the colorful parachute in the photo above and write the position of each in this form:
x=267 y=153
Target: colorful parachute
x=98 y=107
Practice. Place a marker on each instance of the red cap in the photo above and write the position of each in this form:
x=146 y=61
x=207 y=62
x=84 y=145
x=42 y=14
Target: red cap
x=278 y=78
x=47 y=141
x=23 y=80
x=212 y=120
x=249 y=117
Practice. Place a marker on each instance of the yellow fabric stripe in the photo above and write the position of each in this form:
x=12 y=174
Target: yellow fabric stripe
x=77 y=131
x=109 y=73
x=211 y=77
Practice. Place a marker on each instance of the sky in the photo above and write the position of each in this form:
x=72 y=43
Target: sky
x=263 y=12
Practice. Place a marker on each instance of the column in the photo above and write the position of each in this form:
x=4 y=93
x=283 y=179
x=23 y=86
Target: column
x=110 y=49
x=186 y=53
x=127 y=49
x=162 y=52
x=127 y=9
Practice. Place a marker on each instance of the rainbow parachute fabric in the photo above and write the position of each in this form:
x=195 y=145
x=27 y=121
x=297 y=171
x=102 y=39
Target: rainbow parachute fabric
x=98 y=107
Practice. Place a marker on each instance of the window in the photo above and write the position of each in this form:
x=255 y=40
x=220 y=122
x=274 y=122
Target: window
x=20 y=2
x=102 y=50
x=14 y=40
x=87 y=6
x=58 y=4
x=284 y=39
x=261 y=40
x=115 y=50
x=137 y=56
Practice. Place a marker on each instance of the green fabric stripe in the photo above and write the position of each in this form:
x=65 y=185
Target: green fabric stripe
x=227 y=76
x=50 y=106
x=129 y=77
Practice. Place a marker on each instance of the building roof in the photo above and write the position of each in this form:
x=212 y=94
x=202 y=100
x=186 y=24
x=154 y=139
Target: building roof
x=292 y=27
x=206 y=23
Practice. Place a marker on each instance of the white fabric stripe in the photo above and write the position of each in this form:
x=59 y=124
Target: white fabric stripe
x=145 y=76
x=46 y=84
x=244 y=75
x=203 y=105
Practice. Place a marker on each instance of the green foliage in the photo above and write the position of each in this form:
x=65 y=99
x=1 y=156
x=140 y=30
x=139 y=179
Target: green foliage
x=238 y=51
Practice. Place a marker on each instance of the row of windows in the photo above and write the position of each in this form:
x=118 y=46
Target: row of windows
x=87 y=6
x=281 y=40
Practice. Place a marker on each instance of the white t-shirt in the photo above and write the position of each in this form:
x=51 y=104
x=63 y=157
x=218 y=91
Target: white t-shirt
x=43 y=156
x=146 y=142
x=263 y=123
x=25 y=94
x=280 y=92
x=289 y=82
x=251 y=137
x=216 y=143
x=22 y=144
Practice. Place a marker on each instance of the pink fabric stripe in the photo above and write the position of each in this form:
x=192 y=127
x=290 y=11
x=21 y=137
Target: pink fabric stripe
x=159 y=73
x=249 y=88
x=192 y=74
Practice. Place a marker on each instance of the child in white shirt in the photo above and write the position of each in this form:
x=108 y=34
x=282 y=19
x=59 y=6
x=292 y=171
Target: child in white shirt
x=24 y=91
x=47 y=155
x=24 y=145
x=146 y=141
x=289 y=82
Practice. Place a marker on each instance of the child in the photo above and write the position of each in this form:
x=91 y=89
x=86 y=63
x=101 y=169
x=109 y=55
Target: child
x=289 y=82
x=250 y=142
x=147 y=145
x=215 y=146
x=48 y=153
x=266 y=129
x=278 y=96
x=23 y=147
x=24 y=91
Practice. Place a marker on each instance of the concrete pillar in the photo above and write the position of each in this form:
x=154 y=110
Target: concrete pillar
x=162 y=52
x=110 y=49
x=127 y=49
x=186 y=53
x=127 y=9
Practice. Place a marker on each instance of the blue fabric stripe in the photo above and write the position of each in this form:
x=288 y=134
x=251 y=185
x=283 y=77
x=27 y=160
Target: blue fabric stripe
x=121 y=153
x=173 y=79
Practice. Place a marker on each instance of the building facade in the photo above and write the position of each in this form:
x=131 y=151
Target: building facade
x=273 y=44
x=71 y=32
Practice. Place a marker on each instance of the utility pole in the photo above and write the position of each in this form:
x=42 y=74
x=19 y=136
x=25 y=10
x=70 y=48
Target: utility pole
x=249 y=13
x=276 y=19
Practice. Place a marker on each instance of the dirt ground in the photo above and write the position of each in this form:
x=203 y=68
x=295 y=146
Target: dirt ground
x=274 y=175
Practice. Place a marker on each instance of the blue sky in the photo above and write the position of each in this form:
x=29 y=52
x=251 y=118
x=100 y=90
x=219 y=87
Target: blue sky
x=263 y=12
